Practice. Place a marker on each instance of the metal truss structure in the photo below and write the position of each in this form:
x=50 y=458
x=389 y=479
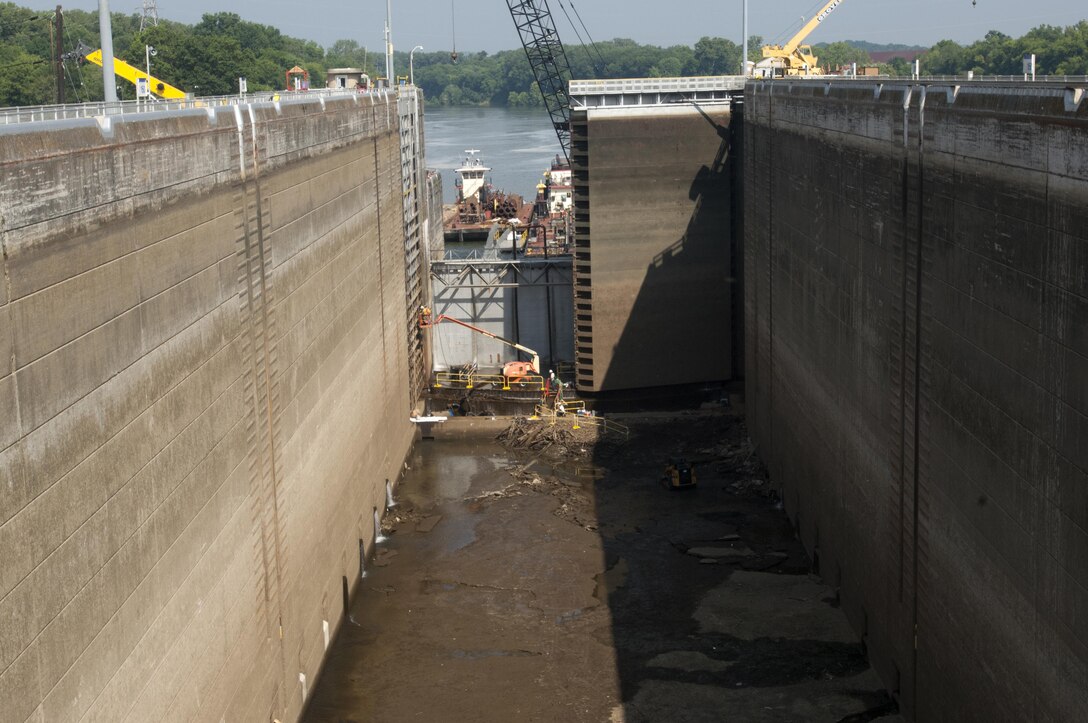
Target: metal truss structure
x=548 y=60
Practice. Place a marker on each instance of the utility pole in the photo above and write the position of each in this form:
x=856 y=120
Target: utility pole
x=58 y=61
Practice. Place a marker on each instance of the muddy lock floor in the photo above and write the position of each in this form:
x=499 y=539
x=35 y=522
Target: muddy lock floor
x=556 y=579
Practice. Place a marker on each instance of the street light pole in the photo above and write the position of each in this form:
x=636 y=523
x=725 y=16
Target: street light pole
x=105 y=30
x=744 y=41
x=389 y=79
x=411 y=65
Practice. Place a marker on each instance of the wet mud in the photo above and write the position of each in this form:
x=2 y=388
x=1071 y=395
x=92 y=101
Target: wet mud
x=562 y=581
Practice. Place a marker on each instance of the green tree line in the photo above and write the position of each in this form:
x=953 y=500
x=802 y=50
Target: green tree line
x=207 y=58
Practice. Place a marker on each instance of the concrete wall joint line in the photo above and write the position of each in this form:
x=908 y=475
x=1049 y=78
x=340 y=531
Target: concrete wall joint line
x=950 y=413
x=150 y=568
x=342 y=225
x=135 y=589
x=381 y=264
x=141 y=300
x=8 y=310
x=206 y=572
x=134 y=698
x=122 y=487
x=118 y=373
x=1056 y=399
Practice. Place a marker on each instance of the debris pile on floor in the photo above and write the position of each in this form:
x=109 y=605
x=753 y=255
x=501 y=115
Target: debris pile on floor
x=575 y=501
x=403 y=515
x=563 y=436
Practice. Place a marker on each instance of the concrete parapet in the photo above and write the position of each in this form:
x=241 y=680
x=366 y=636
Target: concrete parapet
x=917 y=364
x=203 y=378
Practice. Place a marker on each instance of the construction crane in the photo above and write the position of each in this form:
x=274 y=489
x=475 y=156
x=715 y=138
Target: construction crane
x=133 y=74
x=548 y=60
x=793 y=58
x=513 y=371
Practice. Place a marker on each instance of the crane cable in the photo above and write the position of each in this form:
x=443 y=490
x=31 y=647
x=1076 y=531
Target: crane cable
x=794 y=28
x=592 y=62
x=453 y=27
x=595 y=48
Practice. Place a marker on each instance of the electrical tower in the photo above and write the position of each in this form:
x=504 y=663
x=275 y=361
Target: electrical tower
x=548 y=60
x=150 y=16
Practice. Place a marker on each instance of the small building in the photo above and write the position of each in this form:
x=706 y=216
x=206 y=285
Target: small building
x=347 y=78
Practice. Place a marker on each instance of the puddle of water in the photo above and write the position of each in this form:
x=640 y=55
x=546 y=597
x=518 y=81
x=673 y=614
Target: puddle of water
x=446 y=476
x=568 y=617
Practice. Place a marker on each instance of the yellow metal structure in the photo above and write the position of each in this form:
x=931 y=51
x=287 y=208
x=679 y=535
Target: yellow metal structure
x=470 y=380
x=793 y=58
x=132 y=74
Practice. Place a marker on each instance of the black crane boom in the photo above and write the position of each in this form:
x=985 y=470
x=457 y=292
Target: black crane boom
x=548 y=61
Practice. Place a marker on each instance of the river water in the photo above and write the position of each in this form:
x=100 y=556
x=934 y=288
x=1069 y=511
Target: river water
x=517 y=144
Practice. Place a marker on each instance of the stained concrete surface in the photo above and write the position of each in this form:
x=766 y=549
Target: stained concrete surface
x=917 y=374
x=180 y=323
x=561 y=585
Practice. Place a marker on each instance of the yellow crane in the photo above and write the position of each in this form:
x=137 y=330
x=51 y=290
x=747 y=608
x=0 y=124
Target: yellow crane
x=132 y=74
x=793 y=58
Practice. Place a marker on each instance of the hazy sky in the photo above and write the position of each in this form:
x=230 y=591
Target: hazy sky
x=486 y=24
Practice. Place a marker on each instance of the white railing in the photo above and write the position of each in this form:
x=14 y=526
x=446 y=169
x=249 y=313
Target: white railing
x=1001 y=78
x=39 y=113
x=1018 y=79
x=656 y=85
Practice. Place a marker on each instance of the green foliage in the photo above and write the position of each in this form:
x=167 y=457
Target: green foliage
x=1058 y=51
x=207 y=58
x=714 y=56
x=833 y=56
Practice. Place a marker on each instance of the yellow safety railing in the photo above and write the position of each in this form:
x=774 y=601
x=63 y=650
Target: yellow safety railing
x=574 y=406
x=452 y=379
x=528 y=384
x=570 y=412
x=495 y=380
x=470 y=380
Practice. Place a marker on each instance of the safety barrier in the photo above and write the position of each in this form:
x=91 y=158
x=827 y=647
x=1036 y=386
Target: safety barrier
x=570 y=412
x=38 y=113
x=452 y=379
x=471 y=380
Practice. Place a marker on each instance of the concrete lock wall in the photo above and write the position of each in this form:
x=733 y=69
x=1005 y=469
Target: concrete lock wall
x=917 y=368
x=652 y=278
x=204 y=367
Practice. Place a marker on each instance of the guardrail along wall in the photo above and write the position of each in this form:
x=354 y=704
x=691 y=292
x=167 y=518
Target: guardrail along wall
x=917 y=367
x=204 y=367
